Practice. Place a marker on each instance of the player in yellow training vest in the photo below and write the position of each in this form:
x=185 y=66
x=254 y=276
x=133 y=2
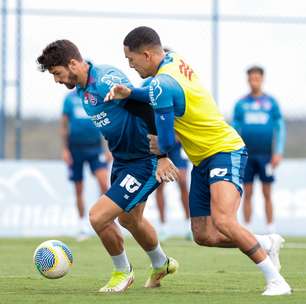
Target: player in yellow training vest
x=184 y=107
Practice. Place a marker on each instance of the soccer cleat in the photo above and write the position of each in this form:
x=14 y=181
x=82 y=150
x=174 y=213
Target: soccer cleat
x=277 y=242
x=277 y=288
x=157 y=274
x=119 y=282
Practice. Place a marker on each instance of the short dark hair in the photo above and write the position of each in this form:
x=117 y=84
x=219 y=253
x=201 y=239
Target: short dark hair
x=141 y=36
x=59 y=52
x=256 y=69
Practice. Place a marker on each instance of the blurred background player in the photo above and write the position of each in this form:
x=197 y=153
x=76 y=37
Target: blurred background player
x=258 y=119
x=82 y=144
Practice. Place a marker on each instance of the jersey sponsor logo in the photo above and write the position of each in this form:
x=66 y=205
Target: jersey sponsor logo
x=258 y=118
x=130 y=183
x=218 y=172
x=89 y=98
x=155 y=91
x=100 y=120
x=185 y=69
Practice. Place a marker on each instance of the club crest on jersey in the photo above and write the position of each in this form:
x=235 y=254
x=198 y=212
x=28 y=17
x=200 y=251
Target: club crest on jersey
x=267 y=105
x=155 y=91
x=89 y=98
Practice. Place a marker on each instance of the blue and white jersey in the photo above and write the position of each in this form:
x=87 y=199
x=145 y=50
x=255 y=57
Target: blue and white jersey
x=260 y=123
x=126 y=134
x=80 y=127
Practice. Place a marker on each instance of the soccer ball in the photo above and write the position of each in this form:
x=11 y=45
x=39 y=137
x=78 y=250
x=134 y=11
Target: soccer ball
x=53 y=259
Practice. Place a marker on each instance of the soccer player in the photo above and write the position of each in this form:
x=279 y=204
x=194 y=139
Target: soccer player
x=82 y=144
x=257 y=115
x=216 y=150
x=135 y=172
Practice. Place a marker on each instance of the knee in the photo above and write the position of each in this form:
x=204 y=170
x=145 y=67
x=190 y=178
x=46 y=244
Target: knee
x=247 y=196
x=267 y=195
x=96 y=220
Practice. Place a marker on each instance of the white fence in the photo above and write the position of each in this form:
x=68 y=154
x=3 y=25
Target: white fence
x=36 y=199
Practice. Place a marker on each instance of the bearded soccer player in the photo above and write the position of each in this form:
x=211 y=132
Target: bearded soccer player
x=183 y=107
x=135 y=172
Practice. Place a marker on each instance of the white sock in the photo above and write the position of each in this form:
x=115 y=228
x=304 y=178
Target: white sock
x=121 y=262
x=269 y=270
x=271 y=228
x=264 y=241
x=247 y=226
x=157 y=256
x=83 y=224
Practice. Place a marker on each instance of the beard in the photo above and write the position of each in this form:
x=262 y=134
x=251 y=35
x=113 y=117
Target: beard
x=73 y=80
x=69 y=86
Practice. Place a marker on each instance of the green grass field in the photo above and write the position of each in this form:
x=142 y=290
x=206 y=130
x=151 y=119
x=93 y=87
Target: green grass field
x=206 y=275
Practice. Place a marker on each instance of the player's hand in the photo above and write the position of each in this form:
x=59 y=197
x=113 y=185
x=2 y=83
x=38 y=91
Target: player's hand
x=118 y=91
x=276 y=159
x=67 y=157
x=166 y=170
x=153 y=144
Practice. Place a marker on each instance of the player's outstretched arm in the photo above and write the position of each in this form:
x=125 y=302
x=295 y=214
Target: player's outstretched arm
x=122 y=92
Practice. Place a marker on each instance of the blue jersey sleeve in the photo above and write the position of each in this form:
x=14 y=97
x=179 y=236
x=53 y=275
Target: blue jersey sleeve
x=280 y=129
x=238 y=117
x=167 y=99
x=280 y=136
x=141 y=94
x=165 y=130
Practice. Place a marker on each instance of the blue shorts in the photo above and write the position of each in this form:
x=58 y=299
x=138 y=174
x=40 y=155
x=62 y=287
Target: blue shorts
x=223 y=166
x=177 y=157
x=81 y=155
x=132 y=182
x=259 y=165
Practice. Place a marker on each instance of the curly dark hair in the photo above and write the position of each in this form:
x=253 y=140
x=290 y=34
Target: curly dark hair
x=59 y=52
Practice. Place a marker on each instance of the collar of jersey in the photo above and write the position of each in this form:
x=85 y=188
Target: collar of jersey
x=167 y=59
x=79 y=88
x=252 y=98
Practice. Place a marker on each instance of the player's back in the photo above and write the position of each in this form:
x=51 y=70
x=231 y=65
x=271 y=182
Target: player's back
x=126 y=134
x=201 y=129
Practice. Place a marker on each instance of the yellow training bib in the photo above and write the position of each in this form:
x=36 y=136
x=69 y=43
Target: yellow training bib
x=201 y=130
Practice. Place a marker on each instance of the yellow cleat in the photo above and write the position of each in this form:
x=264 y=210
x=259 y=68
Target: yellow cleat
x=119 y=282
x=157 y=274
